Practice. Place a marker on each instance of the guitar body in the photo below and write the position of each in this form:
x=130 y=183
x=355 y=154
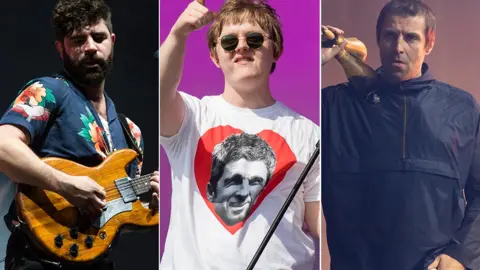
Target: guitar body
x=63 y=231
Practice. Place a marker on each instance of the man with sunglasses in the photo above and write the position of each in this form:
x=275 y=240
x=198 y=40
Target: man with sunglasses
x=245 y=42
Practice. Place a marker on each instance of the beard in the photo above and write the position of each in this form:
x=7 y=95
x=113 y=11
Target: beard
x=86 y=75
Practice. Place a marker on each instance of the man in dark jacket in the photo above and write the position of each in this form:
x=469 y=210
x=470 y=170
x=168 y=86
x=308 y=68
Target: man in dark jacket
x=401 y=161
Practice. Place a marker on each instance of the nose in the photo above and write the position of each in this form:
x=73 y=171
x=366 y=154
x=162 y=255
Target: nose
x=244 y=189
x=242 y=45
x=90 y=46
x=400 y=46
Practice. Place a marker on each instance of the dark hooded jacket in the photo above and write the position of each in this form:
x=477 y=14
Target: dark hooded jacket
x=401 y=174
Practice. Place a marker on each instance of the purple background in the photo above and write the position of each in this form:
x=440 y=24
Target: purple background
x=295 y=81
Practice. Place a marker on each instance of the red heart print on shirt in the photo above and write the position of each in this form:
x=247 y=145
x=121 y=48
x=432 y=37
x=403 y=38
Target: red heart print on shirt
x=235 y=171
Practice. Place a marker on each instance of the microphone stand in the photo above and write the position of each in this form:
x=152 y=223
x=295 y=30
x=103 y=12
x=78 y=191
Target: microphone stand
x=285 y=206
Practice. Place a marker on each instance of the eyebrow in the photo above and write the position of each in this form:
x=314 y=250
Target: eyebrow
x=390 y=31
x=95 y=33
x=233 y=179
x=393 y=31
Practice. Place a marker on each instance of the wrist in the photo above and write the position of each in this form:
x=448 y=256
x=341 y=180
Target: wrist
x=178 y=36
x=342 y=55
x=56 y=180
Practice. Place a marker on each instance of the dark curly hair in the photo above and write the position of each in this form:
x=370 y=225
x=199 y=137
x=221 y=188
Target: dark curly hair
x=69 y=16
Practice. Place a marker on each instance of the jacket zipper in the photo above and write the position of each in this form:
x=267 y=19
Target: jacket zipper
x=404 y=142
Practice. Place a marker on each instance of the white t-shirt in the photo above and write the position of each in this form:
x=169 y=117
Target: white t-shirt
x=219 y=222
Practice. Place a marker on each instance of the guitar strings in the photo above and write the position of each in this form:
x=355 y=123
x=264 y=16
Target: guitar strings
x=128 y=185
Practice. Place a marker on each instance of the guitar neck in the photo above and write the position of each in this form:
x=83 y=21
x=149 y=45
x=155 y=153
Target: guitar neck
x=141 y=184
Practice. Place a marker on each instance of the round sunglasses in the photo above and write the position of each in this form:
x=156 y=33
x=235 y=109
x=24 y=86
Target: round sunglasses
x=254 y=40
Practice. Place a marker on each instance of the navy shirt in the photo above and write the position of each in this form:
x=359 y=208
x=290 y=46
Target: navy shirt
x=62 y=123
x=395 y=166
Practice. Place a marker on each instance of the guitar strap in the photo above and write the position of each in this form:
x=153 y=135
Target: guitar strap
x=128 y=136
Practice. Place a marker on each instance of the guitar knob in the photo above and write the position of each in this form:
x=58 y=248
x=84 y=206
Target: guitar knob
x=103 y=235
x=74 y=250
x=74 y=233
x=89 y=242
x=58 y=240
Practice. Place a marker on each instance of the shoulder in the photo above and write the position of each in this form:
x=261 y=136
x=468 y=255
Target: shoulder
x=454 y=91
x=300 y=122
x=48 y=87
x=50 y=83
x=455 y=94
x=334 y=91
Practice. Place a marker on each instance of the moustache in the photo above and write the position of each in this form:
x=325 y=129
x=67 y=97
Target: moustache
x=92 y=61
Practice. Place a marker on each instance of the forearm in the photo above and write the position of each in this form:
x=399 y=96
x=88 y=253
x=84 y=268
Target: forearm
x=172 y=54
x=21 y=165
x=359 y=73
x=312 y=218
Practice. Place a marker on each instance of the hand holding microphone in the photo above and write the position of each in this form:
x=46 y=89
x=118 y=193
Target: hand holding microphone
x=330 y=48
x=351 y=54
x=334 y=37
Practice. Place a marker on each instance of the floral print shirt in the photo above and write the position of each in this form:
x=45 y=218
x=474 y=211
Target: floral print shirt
x=62 y=123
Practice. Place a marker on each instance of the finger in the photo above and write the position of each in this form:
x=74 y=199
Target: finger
x=197 y=15
x=155 y=199
x=199 y=7
x=100 y=191
x=335 y=30
x=210 y=17
x=155 y=186
x=196 y=18
x=434 y=264
x=156 y=173
x=155 y=178
x=343 y=44
x=99 y=203
x=329 y=35
x=96 y=209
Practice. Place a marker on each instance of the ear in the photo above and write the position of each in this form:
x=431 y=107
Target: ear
x=60 y=48
x=430 y=44
x=113 y=38
x=214 y=57
x=210 y=193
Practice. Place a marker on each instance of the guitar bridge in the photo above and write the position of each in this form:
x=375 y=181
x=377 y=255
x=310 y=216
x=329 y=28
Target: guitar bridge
x=126 y=190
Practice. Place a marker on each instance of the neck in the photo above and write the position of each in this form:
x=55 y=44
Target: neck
x=394 y=80
x=249 y=96
x=94 y=93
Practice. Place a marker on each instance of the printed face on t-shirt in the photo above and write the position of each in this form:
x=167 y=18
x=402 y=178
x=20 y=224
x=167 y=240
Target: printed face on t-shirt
x=238 y=188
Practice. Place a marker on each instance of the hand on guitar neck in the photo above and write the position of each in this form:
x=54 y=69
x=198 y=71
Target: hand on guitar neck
x=155 y=183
